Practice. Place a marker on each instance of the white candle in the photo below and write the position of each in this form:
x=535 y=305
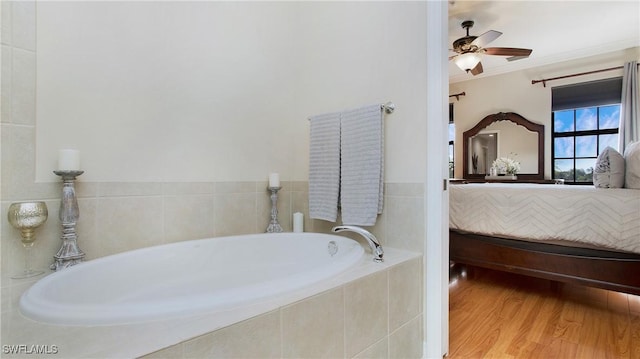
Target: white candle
x=298 y=222
x=274 y=180
x=68 y=160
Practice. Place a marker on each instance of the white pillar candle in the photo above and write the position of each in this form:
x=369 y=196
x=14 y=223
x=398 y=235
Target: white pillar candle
x=298 y=222
x=68 y=160
x=274 y=180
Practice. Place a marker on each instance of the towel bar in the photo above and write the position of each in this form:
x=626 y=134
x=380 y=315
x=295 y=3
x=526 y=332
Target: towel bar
x=388 y=107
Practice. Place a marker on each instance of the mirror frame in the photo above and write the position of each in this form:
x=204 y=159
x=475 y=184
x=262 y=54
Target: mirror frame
x=504 y=116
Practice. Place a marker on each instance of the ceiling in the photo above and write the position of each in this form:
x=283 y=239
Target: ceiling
x=555 y=30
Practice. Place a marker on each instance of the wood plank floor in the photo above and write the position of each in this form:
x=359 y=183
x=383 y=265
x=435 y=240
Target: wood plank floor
x=501 y=315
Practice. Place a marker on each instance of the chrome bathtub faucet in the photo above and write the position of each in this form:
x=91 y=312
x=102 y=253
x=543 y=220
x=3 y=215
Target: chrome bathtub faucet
x=371 y=239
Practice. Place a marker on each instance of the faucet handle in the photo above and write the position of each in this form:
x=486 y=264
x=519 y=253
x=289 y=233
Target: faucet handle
x=378 y=253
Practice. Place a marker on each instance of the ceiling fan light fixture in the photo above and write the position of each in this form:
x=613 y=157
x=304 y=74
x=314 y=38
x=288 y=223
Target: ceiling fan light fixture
x=467 y=62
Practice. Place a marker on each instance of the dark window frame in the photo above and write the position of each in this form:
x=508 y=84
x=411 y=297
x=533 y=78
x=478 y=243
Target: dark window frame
x=575 y=134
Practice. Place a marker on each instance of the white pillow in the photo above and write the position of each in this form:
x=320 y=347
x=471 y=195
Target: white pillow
x=609 y=170
x=632 y=163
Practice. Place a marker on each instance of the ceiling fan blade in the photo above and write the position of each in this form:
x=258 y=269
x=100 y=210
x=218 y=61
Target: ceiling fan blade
x=514 y=58
x=507 y=51
x=477 y=70
x=487 y=37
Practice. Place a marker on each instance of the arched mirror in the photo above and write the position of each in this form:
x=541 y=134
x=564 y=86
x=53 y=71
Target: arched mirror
x=504 y=134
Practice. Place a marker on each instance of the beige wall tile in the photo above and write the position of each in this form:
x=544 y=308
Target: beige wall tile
x=18 y=154
x=172 y=352
x=320 y=226
x=188 y=217
x=6 y=33
x=404 y=189
x=7 y=69
x=23 y=18
x=23 y=89
x=5 y=300
x=234 y=213
x=366 y=312
x=407 y=342
x=185 y=188
x=257 y=337
x=379 y=350
x=405 y=292
x=404 y=223
x=116 y=189
x=314 y=327
x=235 y=187
x=300 y=186
x=83 y=189
x=127 y=223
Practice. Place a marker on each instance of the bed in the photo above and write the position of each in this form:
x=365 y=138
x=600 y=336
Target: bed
x=572 y=234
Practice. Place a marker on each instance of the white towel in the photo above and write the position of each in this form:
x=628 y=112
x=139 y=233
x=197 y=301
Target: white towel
x=324 y=166
x=362 y=167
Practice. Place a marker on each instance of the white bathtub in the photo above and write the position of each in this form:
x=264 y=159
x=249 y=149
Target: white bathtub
x=186 y=278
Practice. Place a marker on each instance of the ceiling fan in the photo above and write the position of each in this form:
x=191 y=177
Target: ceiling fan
x=469 y=48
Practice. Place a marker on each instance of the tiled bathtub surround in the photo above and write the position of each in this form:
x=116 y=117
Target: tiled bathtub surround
x=117 y=217
x=371 y=310
x=371 y=317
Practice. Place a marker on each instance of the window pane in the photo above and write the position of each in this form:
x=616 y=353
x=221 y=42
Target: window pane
x=563 y=121
x=586 y=119
x=584 y=170
x=609 y=116
x=579 y=136
x=608 y=140
x=563 y=169
x=452 y=132
x=563 y=147
x=586 y=146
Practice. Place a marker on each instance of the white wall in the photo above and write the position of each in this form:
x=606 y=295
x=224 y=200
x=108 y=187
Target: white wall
x=220 y=91
x=513 y=92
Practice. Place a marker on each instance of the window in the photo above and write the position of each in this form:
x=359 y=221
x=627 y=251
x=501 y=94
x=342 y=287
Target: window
x=585 y=120
x=452 y=137
x=579 y=135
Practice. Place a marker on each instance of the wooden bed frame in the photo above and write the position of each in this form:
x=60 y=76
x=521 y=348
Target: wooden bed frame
x=610 y=270
x=597 y=268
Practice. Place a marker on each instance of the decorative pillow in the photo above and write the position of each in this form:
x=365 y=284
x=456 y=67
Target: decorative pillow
x=609 y=170
x=632 y=163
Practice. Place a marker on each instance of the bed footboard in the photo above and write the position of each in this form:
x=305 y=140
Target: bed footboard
x=597 y=268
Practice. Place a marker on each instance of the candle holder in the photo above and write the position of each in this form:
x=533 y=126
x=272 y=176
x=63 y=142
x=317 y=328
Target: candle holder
x=69 y=254
x=26 y=217
x=274 y=226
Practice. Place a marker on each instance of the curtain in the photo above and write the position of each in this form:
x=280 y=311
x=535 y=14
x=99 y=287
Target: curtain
x=629 y=126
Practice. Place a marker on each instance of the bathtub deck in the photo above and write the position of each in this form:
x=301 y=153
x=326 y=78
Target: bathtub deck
x=136 y=340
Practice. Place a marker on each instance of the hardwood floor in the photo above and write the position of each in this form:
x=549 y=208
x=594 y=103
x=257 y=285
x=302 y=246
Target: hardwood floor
x=501 y=315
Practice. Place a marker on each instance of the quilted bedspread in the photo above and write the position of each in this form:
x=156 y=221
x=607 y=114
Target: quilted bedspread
x=604 y=218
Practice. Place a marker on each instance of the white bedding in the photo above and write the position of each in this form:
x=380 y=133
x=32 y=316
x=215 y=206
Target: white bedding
x=605 y=218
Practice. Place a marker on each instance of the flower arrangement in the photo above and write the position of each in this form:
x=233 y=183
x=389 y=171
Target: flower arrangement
x=506 y=165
